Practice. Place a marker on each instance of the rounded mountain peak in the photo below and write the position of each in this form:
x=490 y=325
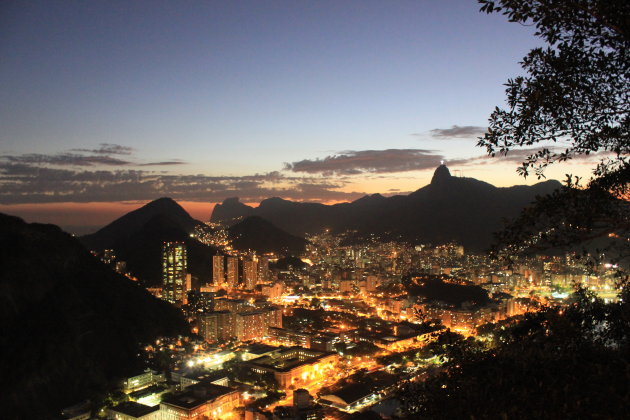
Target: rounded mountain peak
x=231 y=200
x=441 y=174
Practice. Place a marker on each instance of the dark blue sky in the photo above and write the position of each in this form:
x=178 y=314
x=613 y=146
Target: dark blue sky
x=326 y=99
x=304 y=78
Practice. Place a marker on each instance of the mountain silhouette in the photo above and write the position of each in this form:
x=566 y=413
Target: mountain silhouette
x=450 y=208
x=133 y=221
x=257 y=234
x=71 y=327
x=232 y=208
x=137 y=238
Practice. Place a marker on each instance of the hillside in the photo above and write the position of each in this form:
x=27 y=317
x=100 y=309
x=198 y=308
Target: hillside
x=259 y=235
x=138 y=236
x=434 y=288
x=133 y=221
x=70 y=326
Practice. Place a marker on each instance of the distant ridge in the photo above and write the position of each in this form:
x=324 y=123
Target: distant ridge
x=232 y=208
x=448 y=209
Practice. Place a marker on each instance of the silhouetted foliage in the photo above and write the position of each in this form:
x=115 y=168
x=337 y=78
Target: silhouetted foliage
x=307 y=319
x=435 y=288
x=288 y=263
x=362 y=348
x=557 y=363
x=573 y=101
x=575 y=92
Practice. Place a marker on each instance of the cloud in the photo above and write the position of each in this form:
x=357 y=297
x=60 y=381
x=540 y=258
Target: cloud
x=101 y=175
x=368 y=161
x=107 y=149
x=100 y=157
x=520 y=155
x=164 y=163
x=65 y=159
x=22 y=183
x=458 y=132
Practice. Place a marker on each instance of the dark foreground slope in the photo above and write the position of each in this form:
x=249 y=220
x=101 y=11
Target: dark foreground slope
x=70 y=325
x=138 y=236
x=259 y=235
x=450 y=208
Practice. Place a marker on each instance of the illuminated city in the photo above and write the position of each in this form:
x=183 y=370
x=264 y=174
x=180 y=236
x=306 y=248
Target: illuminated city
x=315 y=210
x=334 y=333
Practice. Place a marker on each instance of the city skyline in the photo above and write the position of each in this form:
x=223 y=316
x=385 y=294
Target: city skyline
x=110 y=105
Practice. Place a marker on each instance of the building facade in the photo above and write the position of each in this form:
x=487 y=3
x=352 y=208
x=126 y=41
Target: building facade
x=232 y=272
x=218 y=270
x=200 y=401
x=174 y=272
x=250 y=274
x=217 y=326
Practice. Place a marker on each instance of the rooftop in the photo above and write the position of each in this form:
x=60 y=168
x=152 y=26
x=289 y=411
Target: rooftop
x=196 y=395
x=134 y=409
x=290 y=358
x=258 y=348
x=353 y=393
x=206 y=376
x=153 y=389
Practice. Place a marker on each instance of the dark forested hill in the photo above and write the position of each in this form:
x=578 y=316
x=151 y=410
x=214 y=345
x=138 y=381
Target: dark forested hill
x=70 y=326
x=138 y=236
x=133 y=221
x=257 y=234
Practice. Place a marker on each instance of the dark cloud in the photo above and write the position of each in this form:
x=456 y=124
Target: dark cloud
x=369 y=161
x=65 y=159
x=164 y=163
x=83 y=176
x=458 y=132
x=22 y=183
x=100 y=157
x=107 y=149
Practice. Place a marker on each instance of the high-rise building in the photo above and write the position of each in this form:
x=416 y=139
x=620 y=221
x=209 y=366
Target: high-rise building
x=174 y=271
x=217 y=326
x=232 y=272
x=250 y=274
x=251 y=325
x=289 y=337
x=187 y=288
x=218 y=270
x=274 y=316
x=232 y=305
x=263 y=270
x=273 y=291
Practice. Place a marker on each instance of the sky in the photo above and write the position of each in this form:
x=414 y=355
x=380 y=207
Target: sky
x=106 y=105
